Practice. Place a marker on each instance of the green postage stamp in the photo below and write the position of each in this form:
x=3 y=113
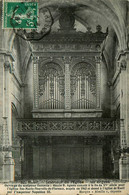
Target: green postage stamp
x=20 y=15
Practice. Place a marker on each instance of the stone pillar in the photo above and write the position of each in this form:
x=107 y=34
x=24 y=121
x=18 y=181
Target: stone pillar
x=1 y=113
x=124 y=116
x=6 y=96
x=124 y=158
x=16 y=149
x=115 y=156
x=8 y=162
x=98 y=81
x=22 y=157
x=35 y=82
x=67 y=61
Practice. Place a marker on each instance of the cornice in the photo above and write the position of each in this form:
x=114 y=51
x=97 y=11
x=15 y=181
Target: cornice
x=75 y=37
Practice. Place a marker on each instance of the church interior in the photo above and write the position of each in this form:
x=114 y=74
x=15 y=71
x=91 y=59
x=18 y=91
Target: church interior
x=64 y=94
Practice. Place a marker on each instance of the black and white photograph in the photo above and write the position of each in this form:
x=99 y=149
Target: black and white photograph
x=64 y=97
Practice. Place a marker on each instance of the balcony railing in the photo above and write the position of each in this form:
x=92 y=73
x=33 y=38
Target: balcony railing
x=68 y=125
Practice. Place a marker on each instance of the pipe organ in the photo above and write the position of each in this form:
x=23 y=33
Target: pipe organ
x=51 y=87
x=83 y=86
x=69 y=85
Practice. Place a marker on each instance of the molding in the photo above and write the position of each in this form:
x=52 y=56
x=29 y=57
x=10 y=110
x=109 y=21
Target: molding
x=62 y=110
x=19 y=101
x=7 y=53
x=64 y=47
x=17 y=79
x=121 y=53
x=66 y=133
x=116 y=75
x=69 y=53
x=121 y=67
x=73 y=37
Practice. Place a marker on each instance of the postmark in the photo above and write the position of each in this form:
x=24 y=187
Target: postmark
x=20 y=15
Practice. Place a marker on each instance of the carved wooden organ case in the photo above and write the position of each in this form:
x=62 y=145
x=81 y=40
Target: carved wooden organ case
x=67 y=69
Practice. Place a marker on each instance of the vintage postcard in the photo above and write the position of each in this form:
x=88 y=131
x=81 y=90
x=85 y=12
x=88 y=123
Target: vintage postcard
x=64 y=100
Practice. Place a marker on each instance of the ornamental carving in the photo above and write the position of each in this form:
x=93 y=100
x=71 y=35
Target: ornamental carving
x=67 y=59
x=35 y=59
x=98 y=59
x=123 y=65
x=63 y=47
x=69 y=125
x=51 y=86
x=83 y=86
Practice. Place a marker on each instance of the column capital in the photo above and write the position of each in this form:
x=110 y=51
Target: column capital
x=35 y=59
x=67 y=59
x=98 y=59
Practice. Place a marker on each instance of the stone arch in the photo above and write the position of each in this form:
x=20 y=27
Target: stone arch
x=56 y=61
x=86 y=61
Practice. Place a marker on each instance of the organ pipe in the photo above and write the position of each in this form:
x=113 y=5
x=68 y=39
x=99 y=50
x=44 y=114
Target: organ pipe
x=51 y=97
x=83 y=97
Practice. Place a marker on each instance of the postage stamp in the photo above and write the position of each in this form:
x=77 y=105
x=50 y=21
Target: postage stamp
x=20 y=15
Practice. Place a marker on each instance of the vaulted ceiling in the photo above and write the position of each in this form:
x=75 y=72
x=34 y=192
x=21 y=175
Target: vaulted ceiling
x=93 y=12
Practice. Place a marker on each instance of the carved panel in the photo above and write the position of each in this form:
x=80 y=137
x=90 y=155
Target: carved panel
x=63 y=125
x=51 y=86
x=83 y=86
x=98 y=80
x=47 y=47
x=35 y=80
x=67 y=87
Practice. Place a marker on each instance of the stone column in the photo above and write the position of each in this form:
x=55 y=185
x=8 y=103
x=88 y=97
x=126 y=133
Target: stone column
x=22 y=157
x=115 y=156
x=16 y=149
x=35 y=82
x=1 y=113
x=8 y=162
x=67 y=61
x=124 y=157
x=124 y=116
x=98 y=81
